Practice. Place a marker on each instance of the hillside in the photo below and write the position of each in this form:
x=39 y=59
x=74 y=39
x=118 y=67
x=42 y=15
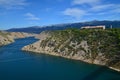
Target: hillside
x=8 y=37
x=93 y=46
x=5 y=38
x=38 y=29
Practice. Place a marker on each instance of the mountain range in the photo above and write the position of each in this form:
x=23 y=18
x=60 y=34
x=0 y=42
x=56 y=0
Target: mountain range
x=38 y=29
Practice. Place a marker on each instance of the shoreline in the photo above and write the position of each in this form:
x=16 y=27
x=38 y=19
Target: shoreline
x=68 y=57
x=114 y=69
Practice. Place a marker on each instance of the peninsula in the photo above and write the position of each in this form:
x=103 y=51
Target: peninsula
x=95 y=46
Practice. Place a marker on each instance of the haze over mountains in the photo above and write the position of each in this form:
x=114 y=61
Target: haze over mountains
x=38 y=29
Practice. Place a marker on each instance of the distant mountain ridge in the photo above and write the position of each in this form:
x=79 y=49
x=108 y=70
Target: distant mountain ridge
x=38 y=29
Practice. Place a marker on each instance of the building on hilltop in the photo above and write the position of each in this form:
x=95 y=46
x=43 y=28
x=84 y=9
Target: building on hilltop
x=93 y=27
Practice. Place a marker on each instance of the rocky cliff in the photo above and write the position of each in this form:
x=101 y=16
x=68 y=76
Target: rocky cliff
x=5 y=38
x=8 y=37
x=93 y=46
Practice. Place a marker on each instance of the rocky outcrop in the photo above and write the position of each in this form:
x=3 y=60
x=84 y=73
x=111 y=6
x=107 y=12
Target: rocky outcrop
x=8 y=37
x=5 y=38
x=43 y=35
x=93 y=46
x=17 y=35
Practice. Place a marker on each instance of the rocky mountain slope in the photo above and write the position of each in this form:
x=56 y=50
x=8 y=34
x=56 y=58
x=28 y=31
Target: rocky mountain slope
x=8 y=37
x=93 y=46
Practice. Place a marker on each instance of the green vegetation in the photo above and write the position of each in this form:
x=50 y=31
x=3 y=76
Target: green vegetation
x=100 y=42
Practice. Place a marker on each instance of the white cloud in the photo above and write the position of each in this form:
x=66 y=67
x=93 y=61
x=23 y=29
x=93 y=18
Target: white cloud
x=102 y=7
x=11 y=4
x=106 y=9
x=31 y=16
x=74 y=12
x=116 y=9
x=98 y=6
x=91 y=8
x=90 y=2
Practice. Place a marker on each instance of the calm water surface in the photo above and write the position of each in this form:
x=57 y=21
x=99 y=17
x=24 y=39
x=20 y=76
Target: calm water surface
x=19 y=65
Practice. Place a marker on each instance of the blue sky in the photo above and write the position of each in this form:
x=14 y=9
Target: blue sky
x=24 y=13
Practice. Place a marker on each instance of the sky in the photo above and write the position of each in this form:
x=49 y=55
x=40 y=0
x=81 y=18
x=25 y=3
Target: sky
x=26 y=13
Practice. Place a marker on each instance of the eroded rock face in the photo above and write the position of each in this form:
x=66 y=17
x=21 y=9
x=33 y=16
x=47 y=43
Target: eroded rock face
x=92 y=46
x=16 y=35
x=5 y=38
x=8 y=37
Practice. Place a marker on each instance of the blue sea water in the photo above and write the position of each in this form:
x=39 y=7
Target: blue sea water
x=20 y=65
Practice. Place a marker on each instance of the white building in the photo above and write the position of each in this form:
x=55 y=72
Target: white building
x=93 y=27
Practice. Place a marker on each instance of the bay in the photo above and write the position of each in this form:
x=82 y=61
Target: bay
x=20 y=65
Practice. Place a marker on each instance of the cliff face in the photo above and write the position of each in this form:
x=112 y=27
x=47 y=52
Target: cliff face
x=5 y=38
x=92 y=46
x=17 y=35
x=8 y=37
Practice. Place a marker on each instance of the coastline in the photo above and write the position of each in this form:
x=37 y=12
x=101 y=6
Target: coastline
x=115 y=69
x=69 y=57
